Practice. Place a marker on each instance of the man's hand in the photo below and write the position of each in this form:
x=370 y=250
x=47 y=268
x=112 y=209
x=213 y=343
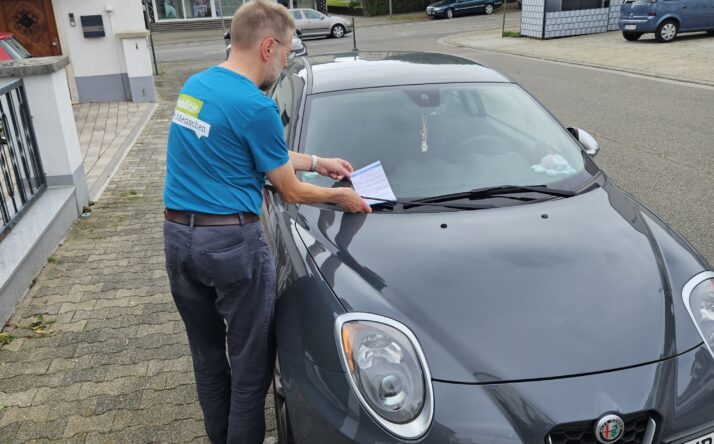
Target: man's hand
x=351 y=202
x=334 y=168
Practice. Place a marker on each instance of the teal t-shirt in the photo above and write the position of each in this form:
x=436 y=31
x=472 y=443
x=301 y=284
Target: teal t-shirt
x=224 y=136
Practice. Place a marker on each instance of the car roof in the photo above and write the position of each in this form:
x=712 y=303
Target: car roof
x=356 y=70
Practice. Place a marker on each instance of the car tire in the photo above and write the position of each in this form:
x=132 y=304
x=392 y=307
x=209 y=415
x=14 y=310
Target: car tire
x=488 y=9
x=667 y=31
x=710 y=32
x=631 y=36
x=449 y=13
x=285 y=432
x=338 y=31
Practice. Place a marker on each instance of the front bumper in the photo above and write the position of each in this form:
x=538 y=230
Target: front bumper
x=433 y=13
x=678 y=394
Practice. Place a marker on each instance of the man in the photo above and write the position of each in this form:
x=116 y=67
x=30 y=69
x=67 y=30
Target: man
x=226 y=136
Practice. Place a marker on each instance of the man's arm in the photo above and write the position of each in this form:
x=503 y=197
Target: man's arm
x=293 y=191
x=334 y=168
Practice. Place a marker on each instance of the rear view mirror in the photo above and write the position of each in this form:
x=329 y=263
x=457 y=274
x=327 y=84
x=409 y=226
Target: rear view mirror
x=586 y=140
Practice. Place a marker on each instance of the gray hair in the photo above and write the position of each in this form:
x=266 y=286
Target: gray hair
x=258 y=19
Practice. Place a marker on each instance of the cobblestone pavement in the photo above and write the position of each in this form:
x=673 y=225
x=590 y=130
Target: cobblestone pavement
x=99 y=352
x=105 y=131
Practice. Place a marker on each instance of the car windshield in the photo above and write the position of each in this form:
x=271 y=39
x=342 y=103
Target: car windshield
x=440 y=139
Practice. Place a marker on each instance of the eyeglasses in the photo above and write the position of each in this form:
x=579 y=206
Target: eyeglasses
x=291 y=53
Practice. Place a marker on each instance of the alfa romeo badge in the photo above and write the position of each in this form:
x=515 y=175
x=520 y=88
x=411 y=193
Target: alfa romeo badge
x=609 y=429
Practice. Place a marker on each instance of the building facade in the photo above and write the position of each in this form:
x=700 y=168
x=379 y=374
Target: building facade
x=106 y=43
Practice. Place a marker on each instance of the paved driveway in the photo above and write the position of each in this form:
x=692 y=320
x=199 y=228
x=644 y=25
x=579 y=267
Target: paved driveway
x=689 y=58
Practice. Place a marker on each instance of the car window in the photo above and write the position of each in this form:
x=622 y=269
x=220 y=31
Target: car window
x=283 y=96
x=297 y=15
x=440 y=139
x=312 y=15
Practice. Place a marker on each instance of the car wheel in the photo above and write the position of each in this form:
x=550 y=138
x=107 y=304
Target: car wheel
x=711 y=32
x=488 y=9
x=667 y=31
x=338 y=31
x=631 y=36
x=285 y=433
x=450 y=13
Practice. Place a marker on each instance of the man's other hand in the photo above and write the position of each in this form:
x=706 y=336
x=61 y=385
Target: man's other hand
x=351 y=202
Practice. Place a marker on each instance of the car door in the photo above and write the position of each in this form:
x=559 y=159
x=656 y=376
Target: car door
x=317 y=22
x=694 y=13
x=300 y=21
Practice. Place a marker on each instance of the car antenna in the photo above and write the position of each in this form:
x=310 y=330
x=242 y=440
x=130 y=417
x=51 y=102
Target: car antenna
x=354 y=36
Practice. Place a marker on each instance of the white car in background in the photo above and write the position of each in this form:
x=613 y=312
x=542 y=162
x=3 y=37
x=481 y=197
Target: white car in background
x=313 y=23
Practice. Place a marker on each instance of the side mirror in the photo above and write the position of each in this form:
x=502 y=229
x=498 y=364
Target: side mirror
x=298 y=32
x=227 y=36
x=322 y=17
x=586 y=140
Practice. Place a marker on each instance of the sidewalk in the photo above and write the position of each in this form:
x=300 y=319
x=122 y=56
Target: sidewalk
x=96 y=351
x=690 y=58
x=106 y=130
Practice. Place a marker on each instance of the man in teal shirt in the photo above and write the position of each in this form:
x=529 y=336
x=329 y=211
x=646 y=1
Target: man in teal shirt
x=225 y=138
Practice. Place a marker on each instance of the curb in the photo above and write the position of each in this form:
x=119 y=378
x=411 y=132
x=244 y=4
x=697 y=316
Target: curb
x=446 y=41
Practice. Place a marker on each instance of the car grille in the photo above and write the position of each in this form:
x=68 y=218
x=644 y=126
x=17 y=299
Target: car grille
x=582 y=432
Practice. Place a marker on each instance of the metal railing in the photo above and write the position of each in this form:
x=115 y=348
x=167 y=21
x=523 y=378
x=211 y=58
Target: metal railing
x=23 y=178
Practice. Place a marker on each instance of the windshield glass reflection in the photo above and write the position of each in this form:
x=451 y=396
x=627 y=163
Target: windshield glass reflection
x=440 y=139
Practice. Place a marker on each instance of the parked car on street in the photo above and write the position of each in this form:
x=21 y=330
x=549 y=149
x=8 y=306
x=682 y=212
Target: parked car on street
x=453 y=8
x=11 y=49
x=316 y=24
x=297 y=47
x=511 y=293
x=666 y=18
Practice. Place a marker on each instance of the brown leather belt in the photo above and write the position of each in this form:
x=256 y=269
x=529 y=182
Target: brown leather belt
x=209 y=220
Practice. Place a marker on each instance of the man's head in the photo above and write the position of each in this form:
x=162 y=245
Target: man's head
x=262 y=30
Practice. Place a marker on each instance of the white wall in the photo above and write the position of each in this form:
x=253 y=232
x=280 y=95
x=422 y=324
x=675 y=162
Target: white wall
x=101 y=55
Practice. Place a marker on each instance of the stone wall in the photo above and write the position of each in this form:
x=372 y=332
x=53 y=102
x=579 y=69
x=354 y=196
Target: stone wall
x=536 y=22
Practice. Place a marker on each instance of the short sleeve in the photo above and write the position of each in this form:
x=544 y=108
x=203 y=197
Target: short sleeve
x=264 y=137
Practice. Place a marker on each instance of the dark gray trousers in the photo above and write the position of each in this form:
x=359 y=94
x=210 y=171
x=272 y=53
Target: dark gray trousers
x=223 y=283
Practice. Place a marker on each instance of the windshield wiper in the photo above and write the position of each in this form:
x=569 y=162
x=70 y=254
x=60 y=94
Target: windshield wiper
x=501 y=190
x=404 y=204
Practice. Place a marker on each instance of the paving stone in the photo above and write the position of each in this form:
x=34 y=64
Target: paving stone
x=8 y=433
x=123 y=401
x=85 y=407
x=167 y=365
x=49 y=430
x=121 y=371
x=182 y=394
x=21 y=399
x=22 y=383
x=19 y=414
x=85 y=424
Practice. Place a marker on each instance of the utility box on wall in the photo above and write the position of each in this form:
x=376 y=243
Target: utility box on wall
x=92 y=26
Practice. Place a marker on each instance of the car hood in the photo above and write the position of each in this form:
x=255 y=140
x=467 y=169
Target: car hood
x=556 y=288
x=439 y=4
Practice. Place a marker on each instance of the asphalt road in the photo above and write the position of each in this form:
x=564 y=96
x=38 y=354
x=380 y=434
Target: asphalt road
x=656 y=137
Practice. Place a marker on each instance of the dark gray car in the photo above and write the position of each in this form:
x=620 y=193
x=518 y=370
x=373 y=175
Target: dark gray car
x=510 y=294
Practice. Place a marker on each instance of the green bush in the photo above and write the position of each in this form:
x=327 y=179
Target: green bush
x=381 y=7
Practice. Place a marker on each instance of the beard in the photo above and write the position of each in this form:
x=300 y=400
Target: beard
x=271 y=76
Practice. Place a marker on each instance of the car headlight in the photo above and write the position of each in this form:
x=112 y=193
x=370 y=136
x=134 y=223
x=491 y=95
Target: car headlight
x=387 y=371
x=698 y=296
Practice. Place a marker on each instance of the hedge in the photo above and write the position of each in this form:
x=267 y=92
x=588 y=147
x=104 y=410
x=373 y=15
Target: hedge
x=381 y=7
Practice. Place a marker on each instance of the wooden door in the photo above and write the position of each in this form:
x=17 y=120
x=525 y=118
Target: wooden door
x=33 y=24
